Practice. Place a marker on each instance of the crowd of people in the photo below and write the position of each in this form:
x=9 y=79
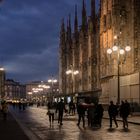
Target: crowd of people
x=93 y=112
x=21 y=106
x=123 y=111
x=54 y=108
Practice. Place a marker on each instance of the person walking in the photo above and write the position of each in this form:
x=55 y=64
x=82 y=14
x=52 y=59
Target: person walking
x=99 y=114
x=51 y=111
x=118 y=109
x=66 y=109
x=74 y=108
x=91 y=114
x=81 y=113
x=70 y=107
x=124 y=112
x=60 y=109
x=112 y=111
x=4 y=110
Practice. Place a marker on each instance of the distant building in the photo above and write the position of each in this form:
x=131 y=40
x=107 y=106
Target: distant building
x=2 y=80
x=14 y=90
x=41 y=90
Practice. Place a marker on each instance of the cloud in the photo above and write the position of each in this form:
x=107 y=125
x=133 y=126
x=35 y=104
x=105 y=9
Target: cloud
x=29 y=36
x=34 y=65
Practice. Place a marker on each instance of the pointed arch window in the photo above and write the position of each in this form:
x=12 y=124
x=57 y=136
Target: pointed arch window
x=109 y=20
x=104 y=23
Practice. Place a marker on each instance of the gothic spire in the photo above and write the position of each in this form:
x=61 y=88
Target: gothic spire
x=62 y=26
x=67 y=32
x=93 y=15
x=93 y=10
x=76 y=20
x=84 y=17
x=62 y=32
x=70 y=25
x=76 y=25
x=69 y=39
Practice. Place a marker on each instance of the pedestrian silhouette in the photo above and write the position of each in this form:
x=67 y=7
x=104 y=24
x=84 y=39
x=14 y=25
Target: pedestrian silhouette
x=51 y=111
x=60 y=108
x=99 y=114
x=81 y=113
x=124 y=112
x=4 y=110
x=112 y=111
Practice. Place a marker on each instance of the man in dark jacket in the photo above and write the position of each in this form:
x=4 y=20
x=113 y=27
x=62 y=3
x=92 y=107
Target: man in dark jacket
x=124 y=112
x=99 y=114
x=81 y=114
x=112 y=111
x=60 y=108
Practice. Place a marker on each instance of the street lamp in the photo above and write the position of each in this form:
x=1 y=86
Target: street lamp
x=30 y=96
x=44 y=86
x=72 y=72
x=2 y=82
x=120 y=52
x=41 y=90
x=52 y=81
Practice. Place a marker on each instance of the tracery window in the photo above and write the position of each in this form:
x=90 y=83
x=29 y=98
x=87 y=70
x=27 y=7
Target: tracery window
x=104 y=23
x=109 y=20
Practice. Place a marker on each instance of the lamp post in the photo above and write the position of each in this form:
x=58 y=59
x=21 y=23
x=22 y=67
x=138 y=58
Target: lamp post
x=30 y=96
x=72 y=72
x=119 y=52
x=2 y=82
x=52 y=81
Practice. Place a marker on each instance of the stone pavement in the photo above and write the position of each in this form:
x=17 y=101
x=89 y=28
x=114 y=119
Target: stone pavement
x=10 y=129
x=134 y=119
x=35 y=120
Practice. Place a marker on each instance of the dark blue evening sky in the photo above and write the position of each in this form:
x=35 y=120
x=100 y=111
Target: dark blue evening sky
x=29 y=36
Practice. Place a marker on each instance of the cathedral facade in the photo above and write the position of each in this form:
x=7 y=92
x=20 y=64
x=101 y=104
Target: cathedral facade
x=119 y=73
x=84 y=50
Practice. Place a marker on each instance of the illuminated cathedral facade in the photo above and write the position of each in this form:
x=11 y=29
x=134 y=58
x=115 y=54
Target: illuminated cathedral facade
x=87 y=67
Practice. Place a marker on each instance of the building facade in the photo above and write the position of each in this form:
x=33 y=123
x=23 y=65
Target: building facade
x=120 y=26
x=79 y=52
x=14 y=90
x=41 y=91
x=107 y=76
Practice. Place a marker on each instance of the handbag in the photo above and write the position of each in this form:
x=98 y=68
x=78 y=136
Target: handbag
x=48 y=113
